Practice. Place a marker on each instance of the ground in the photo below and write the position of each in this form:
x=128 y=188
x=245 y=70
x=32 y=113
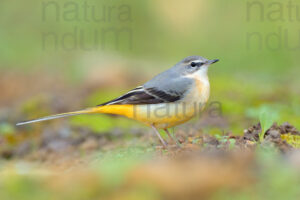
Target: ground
x=100 y=156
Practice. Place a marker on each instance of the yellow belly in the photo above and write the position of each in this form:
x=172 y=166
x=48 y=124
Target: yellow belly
x=163 y=115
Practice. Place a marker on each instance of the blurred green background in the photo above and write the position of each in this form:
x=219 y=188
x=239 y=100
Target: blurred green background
x=64 y=55
x=257 y=43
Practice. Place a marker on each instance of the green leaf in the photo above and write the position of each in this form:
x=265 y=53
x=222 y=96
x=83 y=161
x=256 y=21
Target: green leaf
x=267 y=116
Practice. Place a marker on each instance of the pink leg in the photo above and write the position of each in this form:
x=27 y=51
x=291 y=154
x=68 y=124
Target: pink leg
x=171 y=137
x=159 y=136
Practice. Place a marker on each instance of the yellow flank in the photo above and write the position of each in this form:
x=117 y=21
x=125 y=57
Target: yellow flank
x=124 y=110
x=163 y=115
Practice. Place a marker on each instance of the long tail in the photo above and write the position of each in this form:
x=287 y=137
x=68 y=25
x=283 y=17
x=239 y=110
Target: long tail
x=125 y=110
x=80 y=112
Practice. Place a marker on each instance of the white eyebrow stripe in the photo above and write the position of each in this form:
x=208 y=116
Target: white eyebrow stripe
x=196 y=61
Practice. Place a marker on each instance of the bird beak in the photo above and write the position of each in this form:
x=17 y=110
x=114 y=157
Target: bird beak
x=212 y=61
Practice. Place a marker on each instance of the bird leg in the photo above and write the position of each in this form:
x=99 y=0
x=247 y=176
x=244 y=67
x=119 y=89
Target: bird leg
x=172 y=137
x=159 y=136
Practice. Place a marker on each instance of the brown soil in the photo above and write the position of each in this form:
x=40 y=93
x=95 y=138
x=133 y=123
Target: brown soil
x=64 y=140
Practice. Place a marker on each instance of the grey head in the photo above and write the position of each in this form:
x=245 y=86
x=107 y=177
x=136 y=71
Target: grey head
x=193 y=64
x=178 y=78
x=188 y=66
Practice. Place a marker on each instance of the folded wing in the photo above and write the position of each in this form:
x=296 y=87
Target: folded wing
x=141 y=95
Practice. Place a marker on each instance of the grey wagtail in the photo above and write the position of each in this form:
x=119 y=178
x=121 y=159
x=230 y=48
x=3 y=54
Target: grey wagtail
x=170 y=98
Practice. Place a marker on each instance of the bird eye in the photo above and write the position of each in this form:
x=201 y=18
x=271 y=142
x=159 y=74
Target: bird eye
x=193 y=64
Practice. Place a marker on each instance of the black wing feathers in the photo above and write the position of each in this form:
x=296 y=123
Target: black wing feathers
x=163 y=95
x=141 y=95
